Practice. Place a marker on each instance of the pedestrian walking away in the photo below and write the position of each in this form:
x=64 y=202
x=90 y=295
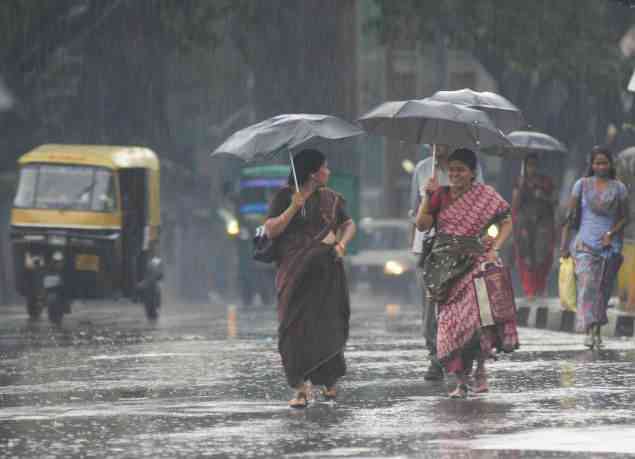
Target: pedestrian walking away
x=534 y=227
x=313 y=297
x=599 y=211
x=462 y=213
x=424 y=170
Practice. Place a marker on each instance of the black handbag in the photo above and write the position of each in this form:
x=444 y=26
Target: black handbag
x=426 y=247
x=264 y=248
x=428 y=241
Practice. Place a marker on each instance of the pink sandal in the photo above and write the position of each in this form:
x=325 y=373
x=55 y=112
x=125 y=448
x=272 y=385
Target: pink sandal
x=459 y=392
x=480 y=382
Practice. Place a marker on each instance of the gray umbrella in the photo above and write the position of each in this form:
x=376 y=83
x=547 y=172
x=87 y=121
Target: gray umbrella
x=531 y=142
x=429 y=121
x=625 y=165
x=285 y=133
x=505 y=115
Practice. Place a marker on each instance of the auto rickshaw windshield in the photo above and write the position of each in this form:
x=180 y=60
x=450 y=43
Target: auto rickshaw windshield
x=49 y=186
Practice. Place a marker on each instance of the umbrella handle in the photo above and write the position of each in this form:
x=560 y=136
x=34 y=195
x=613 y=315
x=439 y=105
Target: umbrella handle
x=434 y=160
x=295 y=177
x=295 y=180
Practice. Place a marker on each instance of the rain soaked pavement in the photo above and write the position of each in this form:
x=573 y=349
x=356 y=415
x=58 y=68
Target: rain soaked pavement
x=206 y=381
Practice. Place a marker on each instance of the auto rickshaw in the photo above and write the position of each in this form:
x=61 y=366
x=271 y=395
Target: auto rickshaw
x=85 y=225
x=625 y=166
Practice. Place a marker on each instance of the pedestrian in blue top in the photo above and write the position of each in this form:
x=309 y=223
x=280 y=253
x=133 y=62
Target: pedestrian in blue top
x=599 y=209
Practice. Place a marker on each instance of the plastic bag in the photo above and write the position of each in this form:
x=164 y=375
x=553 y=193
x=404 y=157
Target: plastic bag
x=567 y=284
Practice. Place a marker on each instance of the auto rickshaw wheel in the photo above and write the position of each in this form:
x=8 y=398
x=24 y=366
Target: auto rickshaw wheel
x=152 y=301
x=34 y=306
x=56 y=311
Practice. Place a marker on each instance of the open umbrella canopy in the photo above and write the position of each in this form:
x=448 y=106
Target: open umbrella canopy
x=505 y=115
x=625 y=165
x=530 y=142
x=285 y=133
x=429 y=121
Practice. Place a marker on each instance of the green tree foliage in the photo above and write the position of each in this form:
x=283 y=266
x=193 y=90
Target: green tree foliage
x=539 y=49
x=94 y=70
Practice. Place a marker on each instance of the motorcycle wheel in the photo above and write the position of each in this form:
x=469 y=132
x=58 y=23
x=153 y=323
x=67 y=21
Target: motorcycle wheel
x=56 y=310
x=34 y=306
x=152 y=301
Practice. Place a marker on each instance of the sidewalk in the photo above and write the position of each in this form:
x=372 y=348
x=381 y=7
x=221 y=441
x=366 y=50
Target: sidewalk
x=547 y=314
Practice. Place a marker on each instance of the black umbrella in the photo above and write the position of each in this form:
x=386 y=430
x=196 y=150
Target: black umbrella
x=505 y=115
x=525 y=143
x=285 y=133
x=430 y=121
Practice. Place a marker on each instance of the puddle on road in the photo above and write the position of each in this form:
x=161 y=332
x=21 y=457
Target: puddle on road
x=190 y=391
x=611 y=439
x=141 y=356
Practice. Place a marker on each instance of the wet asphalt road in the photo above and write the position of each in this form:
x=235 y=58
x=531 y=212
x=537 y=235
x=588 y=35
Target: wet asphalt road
x=206 y=381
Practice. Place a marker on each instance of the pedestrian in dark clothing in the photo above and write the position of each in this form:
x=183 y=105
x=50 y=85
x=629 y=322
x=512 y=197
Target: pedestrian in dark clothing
x=534 y=227
x=313 y=298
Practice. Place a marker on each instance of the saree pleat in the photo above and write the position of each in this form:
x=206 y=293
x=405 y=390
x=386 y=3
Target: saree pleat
x=595 y=277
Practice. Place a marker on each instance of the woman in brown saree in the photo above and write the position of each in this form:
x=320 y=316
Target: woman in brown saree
x=313 y=299
x=463 y=212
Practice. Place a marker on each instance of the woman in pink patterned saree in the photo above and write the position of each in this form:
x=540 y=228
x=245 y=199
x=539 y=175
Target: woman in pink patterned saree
x=462 y=213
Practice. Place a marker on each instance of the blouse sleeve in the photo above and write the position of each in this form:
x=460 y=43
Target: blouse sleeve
x=502 y=209
x=435 y=201
x=622 y=191
x=341 y=213
x=279 y=203
x=577 y=189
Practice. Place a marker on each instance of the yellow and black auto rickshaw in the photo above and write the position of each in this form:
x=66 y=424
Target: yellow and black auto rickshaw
x=85 y=225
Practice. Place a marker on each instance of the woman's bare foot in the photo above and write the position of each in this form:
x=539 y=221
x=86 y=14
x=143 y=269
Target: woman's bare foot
x=459 y=392
x=480 y=382
x=329 y=393
x=301 y=399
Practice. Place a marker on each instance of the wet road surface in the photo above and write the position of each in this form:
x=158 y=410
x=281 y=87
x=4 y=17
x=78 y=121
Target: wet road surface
x=206 y=381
